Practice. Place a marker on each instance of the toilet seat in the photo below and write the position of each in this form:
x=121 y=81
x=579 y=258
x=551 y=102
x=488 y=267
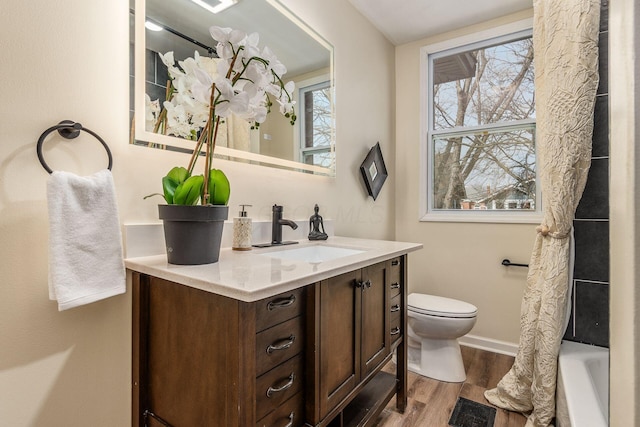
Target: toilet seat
x=440 y=306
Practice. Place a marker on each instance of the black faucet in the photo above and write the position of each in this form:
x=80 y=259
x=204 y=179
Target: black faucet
x=276 y=226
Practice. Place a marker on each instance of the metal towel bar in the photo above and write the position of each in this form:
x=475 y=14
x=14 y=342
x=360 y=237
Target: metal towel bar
x=508 y=263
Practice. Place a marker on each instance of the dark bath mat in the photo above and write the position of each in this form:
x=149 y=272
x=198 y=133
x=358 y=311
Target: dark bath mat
x=468 y=413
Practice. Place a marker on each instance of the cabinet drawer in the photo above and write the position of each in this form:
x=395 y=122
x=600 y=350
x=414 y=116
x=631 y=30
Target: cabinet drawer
x=395 y=282
x=277 y=309
x=289 y=414
x=278 y=385
x=278 y=343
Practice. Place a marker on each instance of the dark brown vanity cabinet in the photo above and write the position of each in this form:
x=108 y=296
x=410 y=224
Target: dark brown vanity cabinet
x=308 y=357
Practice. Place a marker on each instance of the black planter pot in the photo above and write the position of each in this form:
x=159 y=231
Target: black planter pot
x=193 y=234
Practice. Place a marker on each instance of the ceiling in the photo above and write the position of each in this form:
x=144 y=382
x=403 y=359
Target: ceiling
x=403 y=21
x=301 y=50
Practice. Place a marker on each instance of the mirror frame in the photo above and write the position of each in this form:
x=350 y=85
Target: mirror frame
x=139 y=133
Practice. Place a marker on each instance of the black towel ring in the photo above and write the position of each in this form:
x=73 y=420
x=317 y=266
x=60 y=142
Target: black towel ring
x=69 y=130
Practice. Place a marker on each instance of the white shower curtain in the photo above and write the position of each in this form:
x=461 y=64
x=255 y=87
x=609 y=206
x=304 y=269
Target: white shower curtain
x=234 y=133
x=565 y=38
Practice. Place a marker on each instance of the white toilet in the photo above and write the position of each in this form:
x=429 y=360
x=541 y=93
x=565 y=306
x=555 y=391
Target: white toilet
x=435 y=324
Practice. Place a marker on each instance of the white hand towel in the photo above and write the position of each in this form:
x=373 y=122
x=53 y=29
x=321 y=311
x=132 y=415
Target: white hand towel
x=85 y=242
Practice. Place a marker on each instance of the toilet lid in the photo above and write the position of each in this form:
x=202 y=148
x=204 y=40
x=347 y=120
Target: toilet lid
x=440 y=306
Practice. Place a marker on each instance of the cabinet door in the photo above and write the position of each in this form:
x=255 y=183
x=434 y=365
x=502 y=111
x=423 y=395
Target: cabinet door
x=339 y=339
x=186 y=355
x=375 y=344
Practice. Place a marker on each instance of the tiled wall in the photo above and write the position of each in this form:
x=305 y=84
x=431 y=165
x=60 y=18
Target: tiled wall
x=155 y=79
x=156 y=76
x=589 y=321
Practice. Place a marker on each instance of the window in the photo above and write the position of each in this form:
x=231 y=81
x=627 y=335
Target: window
x=480 y=148
x=316 y=125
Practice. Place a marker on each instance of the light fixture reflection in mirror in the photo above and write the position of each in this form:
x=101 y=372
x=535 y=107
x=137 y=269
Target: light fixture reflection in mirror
x=308 y=146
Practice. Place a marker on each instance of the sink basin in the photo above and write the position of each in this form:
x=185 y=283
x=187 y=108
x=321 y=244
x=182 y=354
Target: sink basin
x=313 y=254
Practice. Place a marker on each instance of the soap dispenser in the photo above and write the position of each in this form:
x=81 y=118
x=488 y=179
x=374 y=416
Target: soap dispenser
x=242 y=231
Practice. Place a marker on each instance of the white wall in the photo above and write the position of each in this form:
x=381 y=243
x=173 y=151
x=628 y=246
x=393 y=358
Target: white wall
x=459 y=260
x=69 y=60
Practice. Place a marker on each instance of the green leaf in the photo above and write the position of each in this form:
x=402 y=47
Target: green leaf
x=219 y=188
x=189 y=191
x=178 y=174
x=169 y=189
x=170 y=183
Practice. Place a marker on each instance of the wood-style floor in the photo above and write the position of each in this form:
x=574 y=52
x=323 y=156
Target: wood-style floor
x=431 y=402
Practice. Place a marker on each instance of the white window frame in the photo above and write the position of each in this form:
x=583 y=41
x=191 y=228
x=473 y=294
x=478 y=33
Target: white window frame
x=426 y=213
x=299 y=129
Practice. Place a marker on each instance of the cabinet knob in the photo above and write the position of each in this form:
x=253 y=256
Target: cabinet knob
x=281 y=303
x=395 y=308
x=395 y=285
x=395 y=331
x=271 y=390
x=363 y=285
x=281 y=345
x=395 y=262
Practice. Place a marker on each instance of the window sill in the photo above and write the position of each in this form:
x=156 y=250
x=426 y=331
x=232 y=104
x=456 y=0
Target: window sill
x=483 y=217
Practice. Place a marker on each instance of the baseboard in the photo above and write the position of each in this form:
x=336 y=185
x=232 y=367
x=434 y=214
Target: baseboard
x=488 y=344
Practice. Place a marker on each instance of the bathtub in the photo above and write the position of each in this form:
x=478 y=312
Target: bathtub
x=582 y=397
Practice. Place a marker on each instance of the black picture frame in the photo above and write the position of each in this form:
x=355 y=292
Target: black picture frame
x=374 y=171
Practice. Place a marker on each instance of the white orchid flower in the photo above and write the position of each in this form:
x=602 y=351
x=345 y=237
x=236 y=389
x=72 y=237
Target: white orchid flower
x=241 y=90
x=250 y=44
x=257 y=113
x=285 y=99
x=168 y=60
x=201 y=87
x=177 y=120
x=225 y=87
x=238 y=104
x=227 y=35
x=274 y=64
x=189 y=64
x=152 y=110
x=286 y=107
x=289 y=87
x=258 y=75
x=225 y=51
x=227 y=39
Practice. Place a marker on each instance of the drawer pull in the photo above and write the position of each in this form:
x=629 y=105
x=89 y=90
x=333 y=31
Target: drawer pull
x=281 y=303
x=395 y=262
x=395 y=331
x=290 y=418
x=395 y=285
x=282 y=388
x=281 y=345
x=395 y=308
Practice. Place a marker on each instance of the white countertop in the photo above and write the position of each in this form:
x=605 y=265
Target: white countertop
x=252 y=275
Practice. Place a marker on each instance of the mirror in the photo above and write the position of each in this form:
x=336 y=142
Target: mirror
x=307 y=146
